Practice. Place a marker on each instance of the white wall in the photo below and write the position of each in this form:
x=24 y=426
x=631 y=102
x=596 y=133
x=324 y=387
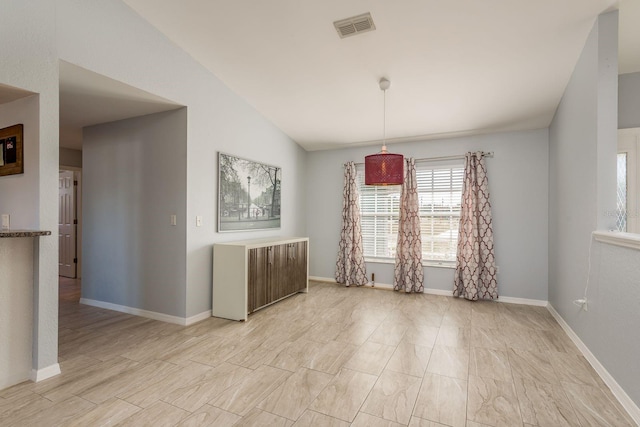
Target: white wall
x=126 y=48
x=519 y=188
x=16 y=310
x=23 y=206
x=135 y=178
x=629 y=100
x=28 y=60
x=582 y=147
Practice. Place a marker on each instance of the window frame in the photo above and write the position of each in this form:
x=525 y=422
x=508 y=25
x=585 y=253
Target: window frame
x=456 y=172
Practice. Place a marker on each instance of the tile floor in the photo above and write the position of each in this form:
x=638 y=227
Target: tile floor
x=333 y=357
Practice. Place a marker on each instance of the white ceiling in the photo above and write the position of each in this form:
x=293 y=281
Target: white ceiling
x=10 y=93
x=456 y=67
x=87 y=99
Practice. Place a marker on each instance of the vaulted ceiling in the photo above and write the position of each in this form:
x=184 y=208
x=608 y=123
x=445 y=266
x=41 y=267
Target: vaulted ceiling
x=456 y=67
x=460 y=66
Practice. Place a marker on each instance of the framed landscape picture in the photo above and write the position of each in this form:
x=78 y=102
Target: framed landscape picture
x=11 y=152
x=248 y=194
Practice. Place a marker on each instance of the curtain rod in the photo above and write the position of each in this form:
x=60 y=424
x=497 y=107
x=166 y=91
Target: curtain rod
x=434 y=159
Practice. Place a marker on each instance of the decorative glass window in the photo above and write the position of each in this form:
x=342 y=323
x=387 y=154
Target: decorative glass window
x=621 y=198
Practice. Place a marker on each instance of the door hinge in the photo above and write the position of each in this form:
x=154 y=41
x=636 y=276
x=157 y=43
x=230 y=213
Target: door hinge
x=75 y=222
x=75 y=260
x=75 y=183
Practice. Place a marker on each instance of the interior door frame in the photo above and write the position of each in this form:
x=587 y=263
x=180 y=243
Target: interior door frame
x=77 y=176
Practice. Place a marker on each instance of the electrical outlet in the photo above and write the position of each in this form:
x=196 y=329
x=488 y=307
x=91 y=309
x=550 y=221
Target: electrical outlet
x=198 y=221
x=6 y=221
x=582 y=303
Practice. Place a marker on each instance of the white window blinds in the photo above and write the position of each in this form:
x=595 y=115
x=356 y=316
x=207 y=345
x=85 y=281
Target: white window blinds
x=439 y=192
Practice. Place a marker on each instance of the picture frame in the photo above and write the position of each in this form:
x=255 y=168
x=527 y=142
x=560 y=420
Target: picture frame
x=249 y=195
x=11 y=150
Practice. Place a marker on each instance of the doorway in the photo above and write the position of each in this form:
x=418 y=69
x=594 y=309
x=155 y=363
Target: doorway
x=69 y=223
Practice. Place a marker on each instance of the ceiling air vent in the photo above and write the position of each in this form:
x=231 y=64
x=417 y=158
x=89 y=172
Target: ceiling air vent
x=355 y=25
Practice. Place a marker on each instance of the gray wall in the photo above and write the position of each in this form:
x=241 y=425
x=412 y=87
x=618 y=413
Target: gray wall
x=519 y=187
x=70 y=157
x=629 y=101
x=134 y=179
x=608 y=327
x=217 y=120
x=582 y=147
x=573 y=175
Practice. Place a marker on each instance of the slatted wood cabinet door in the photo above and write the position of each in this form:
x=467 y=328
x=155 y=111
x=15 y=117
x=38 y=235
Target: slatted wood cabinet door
x=259 y=292
x=275 y=272
x=296 y=279
x=253 y=274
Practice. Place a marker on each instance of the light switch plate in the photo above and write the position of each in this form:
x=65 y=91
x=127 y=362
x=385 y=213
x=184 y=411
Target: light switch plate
x=198 y=221
x=6 y=221
x=173 y=220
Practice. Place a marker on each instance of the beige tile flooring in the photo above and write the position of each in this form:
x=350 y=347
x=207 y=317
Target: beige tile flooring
x=333 y=357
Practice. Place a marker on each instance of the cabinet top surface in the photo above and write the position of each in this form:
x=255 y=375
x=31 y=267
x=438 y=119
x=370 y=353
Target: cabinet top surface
x=267 y=241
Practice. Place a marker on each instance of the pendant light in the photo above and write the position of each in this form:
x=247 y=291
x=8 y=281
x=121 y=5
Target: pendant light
x=384 y=168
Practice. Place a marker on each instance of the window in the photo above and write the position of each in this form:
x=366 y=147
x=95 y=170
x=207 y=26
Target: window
x=621 y=212
x=439 y=194
x=628 y=182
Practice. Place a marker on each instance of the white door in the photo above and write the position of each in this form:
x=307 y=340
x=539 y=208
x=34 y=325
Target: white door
x=67 y=225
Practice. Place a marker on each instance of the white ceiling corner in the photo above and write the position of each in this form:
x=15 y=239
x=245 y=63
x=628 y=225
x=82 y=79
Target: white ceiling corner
x=88 y=98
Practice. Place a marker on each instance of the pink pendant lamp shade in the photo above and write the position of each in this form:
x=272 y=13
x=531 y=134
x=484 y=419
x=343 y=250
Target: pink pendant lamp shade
x=384 y=168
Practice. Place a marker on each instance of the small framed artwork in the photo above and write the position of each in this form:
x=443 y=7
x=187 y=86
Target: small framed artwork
x=248 y=194
x=11 y=153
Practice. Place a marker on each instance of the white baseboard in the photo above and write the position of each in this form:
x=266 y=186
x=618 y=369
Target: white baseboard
x=618 y=392
x=441 y=292
x=197 y=318
x=13 y=379
x=525 y=301
x=321 y=279
x=508 y=300
x=44 y=373
x=146 y=313
x=368 y=285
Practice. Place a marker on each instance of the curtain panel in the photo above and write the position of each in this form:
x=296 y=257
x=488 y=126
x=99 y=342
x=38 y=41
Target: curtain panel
x=475 y=276
x=408 y=272
x=350 y=266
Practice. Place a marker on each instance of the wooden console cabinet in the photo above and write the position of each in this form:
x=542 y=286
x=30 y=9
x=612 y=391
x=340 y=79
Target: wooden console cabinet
x=252 y=274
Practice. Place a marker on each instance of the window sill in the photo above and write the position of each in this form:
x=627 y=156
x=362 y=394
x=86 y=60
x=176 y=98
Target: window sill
x=436 y=264
x=618 y=238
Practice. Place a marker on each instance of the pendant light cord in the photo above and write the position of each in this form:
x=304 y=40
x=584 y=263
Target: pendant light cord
x=384 y=121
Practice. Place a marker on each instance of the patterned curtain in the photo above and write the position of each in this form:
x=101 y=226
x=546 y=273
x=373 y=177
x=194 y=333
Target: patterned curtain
x=475 y=276
x=409 y=275
x=350 y=267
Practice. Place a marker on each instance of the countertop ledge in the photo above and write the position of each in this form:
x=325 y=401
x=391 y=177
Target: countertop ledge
x=618 y=238
x=23 y=233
